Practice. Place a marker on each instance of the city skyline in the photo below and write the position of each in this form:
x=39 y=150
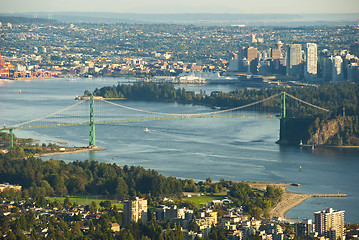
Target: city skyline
x=186 y=6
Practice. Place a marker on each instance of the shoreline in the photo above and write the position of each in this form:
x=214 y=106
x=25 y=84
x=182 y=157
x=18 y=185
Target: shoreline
x=289 y=199
x=77 y=150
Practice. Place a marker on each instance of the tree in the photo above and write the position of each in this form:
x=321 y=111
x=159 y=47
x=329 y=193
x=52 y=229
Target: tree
x=67 y=203
x=105 y=204
x=93 y=207
x=121 y=188
x=87 y=93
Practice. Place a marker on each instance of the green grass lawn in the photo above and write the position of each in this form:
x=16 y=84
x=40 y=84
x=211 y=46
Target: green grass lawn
x=198 y=200
x=83 y=200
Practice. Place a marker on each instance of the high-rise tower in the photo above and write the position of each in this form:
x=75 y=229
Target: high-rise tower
x=294 y=59
x=337 y=68
x=134 y=210
x=330 y=223
x=312 y=61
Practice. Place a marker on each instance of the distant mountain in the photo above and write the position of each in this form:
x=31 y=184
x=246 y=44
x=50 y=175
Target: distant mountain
x=201 y=18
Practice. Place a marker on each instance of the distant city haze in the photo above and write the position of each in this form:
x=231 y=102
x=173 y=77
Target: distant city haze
x=184 y=6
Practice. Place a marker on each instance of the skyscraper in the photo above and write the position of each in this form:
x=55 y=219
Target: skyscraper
x=312 y=61
x=337 y=68
x=294 y=59
x=330 y=223
x=252 y=57
x=134 y=210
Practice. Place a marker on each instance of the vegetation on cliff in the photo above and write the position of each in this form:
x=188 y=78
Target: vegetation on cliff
x=340 y=131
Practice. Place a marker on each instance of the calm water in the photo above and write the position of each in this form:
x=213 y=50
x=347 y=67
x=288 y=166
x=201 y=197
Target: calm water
x=232 y=149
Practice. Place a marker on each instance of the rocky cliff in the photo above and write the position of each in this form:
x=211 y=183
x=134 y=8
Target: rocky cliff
x=329 y=129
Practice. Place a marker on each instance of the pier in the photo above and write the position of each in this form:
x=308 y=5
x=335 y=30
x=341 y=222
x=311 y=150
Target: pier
x=328 y=195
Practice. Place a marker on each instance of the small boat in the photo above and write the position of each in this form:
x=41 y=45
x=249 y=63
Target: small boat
x=20 y=91
x=146 y=130
x=300 y=168
x=301 y=143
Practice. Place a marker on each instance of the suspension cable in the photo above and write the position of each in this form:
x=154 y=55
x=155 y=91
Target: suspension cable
x=50 y=115
x=309 y=104
x=193 y=114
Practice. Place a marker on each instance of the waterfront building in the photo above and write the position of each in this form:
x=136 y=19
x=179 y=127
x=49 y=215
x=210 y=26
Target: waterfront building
x=330 y=223
x=4 y=68
x=312 y=61
x=134 y=210
x=294 y=58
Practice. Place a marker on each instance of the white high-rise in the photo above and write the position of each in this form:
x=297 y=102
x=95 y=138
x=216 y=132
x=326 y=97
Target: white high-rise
x=337 y=69
x=330 y=223
x=312 y=60
x=134 y=210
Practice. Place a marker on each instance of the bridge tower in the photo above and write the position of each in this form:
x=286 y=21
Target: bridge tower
x=283 y=120
x=92 y=123
x=282 y=106
x=11 y=139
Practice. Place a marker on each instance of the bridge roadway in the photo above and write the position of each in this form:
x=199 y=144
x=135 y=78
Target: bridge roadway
x=135 y=120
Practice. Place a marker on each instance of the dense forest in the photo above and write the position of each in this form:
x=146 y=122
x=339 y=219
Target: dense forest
x=341 y=99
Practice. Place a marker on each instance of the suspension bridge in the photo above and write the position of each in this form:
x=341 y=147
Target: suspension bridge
x=119 y=113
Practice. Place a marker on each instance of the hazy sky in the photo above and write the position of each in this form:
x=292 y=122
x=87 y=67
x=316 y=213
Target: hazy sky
x=182 y=6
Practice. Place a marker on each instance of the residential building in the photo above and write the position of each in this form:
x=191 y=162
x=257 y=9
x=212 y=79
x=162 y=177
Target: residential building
x=134 y=210
x=330 y=223
x=9 y=186
x=337 y=68
x=304 y=228
x=312 y=61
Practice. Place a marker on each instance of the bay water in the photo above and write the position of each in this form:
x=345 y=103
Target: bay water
x=230 y=149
